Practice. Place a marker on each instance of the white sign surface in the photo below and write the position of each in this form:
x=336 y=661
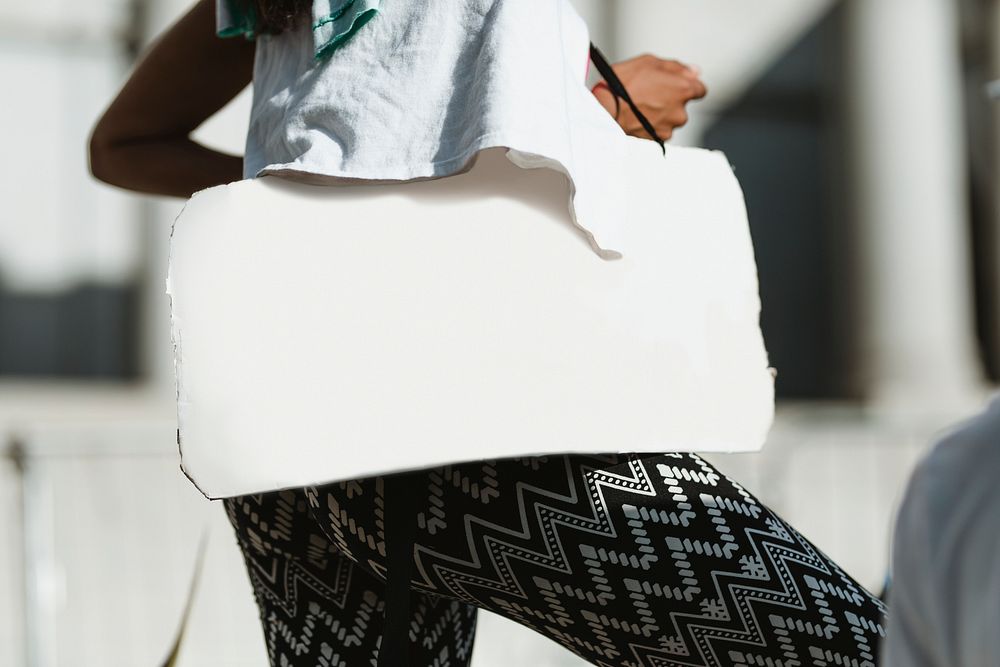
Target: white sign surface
x=328 y=333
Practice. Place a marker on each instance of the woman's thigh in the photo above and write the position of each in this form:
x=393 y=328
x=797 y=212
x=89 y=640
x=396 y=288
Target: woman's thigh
x=318 y=607
x=625 y=560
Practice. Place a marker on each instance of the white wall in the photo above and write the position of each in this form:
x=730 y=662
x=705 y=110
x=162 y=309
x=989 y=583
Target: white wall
x=57 y=226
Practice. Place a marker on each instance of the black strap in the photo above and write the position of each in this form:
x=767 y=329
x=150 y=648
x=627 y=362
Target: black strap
x=399 y=524
x=617 y=89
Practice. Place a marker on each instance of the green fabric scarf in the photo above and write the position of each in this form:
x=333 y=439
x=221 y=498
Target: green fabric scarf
x=334 y=22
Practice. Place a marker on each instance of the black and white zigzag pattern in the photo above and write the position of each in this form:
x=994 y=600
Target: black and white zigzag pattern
x=655 y=561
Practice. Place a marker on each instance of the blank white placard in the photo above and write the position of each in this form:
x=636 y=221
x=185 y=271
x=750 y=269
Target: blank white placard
x=334 y=332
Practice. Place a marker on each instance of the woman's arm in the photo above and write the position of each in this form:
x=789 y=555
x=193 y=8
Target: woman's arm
x=660 y=88
x=142 y=141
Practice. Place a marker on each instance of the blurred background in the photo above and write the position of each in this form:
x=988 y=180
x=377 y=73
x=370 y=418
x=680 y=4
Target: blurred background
x=865 y=139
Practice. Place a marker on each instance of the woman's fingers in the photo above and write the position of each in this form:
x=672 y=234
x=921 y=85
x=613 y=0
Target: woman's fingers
x=698 y=89
x=692 y=74
x=661 y=89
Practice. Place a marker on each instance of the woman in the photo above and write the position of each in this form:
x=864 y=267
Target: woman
x=623 y=559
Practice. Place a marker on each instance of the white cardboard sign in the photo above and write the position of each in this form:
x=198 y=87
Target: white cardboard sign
x=328 y=333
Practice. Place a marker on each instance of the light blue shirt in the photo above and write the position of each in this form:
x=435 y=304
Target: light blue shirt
x=425 y=86
x=944 y=600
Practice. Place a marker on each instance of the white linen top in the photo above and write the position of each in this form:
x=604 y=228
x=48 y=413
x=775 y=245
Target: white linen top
x=427 y=84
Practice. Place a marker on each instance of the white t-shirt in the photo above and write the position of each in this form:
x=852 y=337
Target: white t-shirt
x=427 y=84
x=944 y=601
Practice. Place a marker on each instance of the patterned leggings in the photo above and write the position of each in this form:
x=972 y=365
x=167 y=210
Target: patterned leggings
x=626 y=560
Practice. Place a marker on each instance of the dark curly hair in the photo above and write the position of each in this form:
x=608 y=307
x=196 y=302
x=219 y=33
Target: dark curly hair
x=275 y=16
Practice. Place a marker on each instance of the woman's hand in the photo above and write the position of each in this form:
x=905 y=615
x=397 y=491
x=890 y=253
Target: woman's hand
x=660 y=88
